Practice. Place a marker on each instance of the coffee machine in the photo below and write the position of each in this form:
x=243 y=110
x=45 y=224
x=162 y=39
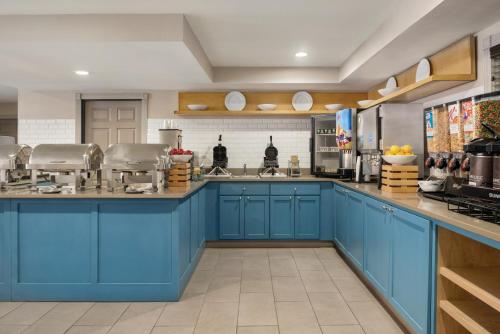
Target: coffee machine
x=368 y=134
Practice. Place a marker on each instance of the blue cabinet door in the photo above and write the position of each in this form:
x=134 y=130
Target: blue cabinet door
x=194 y=243
x=231 y=217
x=202 y=217
x=378 y=244
x=410 y=268
x=341 y=218
x=256 y=217
x=4 y=251
x=282 y=217
x=356 y=209
x=307 y=217
x=184 y=213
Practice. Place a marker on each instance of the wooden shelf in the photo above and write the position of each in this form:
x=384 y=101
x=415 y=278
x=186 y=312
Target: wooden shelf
x=428 y=86
x=481 y=282
x=247 y=113
x=473 y=315
x=283 y=100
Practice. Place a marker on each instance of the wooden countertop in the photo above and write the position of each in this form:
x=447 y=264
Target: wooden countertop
x=430 y=208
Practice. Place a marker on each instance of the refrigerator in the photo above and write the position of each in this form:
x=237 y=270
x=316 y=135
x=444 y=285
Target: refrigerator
x=332 y=143
x=384 y=125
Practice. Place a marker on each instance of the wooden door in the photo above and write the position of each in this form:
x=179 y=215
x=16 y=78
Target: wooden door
x=112 y=122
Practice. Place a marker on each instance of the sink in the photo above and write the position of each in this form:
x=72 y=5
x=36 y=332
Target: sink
x=245 y=176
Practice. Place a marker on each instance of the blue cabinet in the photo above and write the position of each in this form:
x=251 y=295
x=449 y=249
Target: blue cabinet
x=194 y=242
x=355 y=228
x=231 y=217
x=4 y=251
x=256 y=213
x=411 y=249
x=307 y=217
x=202 y=217
x=378 y=244
x=282 y=224
x=341 y=218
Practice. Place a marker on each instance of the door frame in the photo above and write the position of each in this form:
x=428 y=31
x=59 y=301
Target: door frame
x=82 y=98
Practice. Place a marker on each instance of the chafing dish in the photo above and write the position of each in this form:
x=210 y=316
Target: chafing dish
x=73 y=164
x=136 y=163
x=13 y=160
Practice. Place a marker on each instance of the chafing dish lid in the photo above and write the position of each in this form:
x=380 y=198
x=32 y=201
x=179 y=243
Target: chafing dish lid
x=135 y=157
x=14 y=155
x=66 y=157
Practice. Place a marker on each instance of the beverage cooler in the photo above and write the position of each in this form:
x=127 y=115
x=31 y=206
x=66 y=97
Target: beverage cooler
x=333 y=142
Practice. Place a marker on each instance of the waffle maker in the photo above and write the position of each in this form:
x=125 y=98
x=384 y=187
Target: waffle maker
x=219 y=165
x=271 y=161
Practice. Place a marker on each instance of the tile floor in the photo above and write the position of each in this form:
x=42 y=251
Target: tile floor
x=237 y=291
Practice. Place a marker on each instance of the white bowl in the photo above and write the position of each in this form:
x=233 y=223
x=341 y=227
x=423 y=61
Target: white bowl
x=181 y=157
x=365 y=103
x=399 y=159
x=267 y=106
x=334 y=106
x=387 y=90
x=197 y=106
x=430 y=186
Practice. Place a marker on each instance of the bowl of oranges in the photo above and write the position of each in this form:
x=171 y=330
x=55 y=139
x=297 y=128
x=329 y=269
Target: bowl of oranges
x=399 y=155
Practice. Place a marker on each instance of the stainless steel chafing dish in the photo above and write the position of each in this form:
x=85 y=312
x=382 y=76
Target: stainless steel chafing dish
x=13 y=160
x=136 y=163
x=72 y=163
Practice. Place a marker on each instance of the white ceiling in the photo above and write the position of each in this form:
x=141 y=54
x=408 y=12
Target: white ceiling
x=8 y=94
x=249 y=33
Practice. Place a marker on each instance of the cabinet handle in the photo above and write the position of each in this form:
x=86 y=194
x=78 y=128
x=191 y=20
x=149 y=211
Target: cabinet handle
x=244 y=188
x=384 y=207
x=295 y=189
x=298 y=197
x=390 y=210
x=248 y=198
x=240 y=198
x=290 y=198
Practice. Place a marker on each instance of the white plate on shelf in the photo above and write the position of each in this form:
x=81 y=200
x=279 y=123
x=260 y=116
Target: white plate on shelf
x=334 y=106
x=391 y=83
x=364 y=103
x=423 y=69
x=197 y=106
x=235 y=101
x=387 y=90
x=302 y=101
x=266 y=106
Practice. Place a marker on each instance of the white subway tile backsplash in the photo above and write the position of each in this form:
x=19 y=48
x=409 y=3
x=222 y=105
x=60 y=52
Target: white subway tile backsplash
x=245 y=139
x=46 y=131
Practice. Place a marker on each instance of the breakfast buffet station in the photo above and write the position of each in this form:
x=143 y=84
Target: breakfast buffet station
x=131 y=221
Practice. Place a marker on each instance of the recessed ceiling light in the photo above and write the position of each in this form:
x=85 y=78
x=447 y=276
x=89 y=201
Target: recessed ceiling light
x=301 y=54
x=82 y=72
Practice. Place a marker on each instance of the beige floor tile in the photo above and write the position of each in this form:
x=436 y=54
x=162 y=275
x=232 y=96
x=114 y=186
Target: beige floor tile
x=103 y=314
x=256 y=285
x=181 y=313
x=217 y=318
x=255 y=252
x=373 y=318
x=59 y=319
x=353 y=290
x=258 y=330
x=326 y=253
x=6 y=307
x=279 y=253
x=26 y=314
x=229 y=267
x=173 y=330
x=349 y=329
x=88 y=330
x=337 y=268
x=296 y=317
x=256 y=274
x=331 y=309
x=289 y=289
x=139 y=318
x=224 y=289
x=208 y=261
x=317 y=281
x=308 y=263
x=12 y=329
x=231 y=253
x=257 y=309
x=303 y=252
x=283 y=267
x=200 y=281
x=256 y=263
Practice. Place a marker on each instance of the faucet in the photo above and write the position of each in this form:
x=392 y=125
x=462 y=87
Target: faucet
x=245 y=169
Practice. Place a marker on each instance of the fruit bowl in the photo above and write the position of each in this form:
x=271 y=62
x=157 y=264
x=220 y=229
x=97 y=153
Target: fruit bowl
x=181 y=158
x=399 y=159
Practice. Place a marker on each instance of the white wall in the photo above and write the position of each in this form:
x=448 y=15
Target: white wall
x=482 y=84
x=8 y=110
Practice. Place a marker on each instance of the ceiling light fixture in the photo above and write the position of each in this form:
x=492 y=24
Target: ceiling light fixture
x=301 y=54
x=82 y=73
